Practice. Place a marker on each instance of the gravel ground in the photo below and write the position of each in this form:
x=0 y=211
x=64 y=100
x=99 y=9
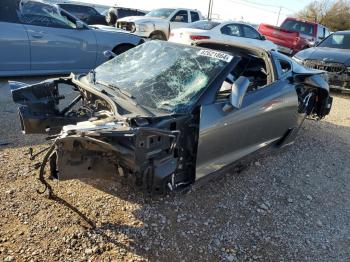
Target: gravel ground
x=293 y=205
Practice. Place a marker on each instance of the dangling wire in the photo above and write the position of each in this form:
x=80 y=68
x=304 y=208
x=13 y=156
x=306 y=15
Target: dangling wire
x=33 y=156
x=42 y=173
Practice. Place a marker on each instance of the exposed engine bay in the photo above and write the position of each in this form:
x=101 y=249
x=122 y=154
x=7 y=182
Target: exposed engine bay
x=97 y=143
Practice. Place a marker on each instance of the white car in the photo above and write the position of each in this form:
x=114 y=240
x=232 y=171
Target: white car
x=217 y=31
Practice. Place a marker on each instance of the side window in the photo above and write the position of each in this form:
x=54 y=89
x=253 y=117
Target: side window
x=232 y=30
x=8 y=11
x=68 y=8
x=250 y=33
x=252 y=68
x=89 y=10
x=131 y=13
x=121 y=13
x=39 y=14
x=194 y=16
x=181 y=17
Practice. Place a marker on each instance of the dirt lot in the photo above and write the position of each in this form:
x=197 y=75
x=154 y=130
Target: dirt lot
x=293 y=205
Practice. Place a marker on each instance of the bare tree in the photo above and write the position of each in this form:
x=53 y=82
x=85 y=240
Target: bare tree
x=333 y=14
x=315 y=11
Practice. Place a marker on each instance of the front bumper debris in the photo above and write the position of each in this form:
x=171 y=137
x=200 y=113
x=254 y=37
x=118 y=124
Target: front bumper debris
x=144 y=157
x=337 y=74
x=339 y=81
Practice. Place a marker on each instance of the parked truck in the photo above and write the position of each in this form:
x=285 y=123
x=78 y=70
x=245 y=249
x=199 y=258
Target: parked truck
x=158 y=23
x=294 y=34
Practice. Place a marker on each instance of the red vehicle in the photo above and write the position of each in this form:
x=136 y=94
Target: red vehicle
x=294 y=34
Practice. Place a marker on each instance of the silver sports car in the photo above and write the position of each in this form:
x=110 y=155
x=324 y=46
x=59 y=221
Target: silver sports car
x=37 y=38
x=165 y=115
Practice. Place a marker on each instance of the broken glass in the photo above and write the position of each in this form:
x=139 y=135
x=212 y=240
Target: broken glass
x=163 y=75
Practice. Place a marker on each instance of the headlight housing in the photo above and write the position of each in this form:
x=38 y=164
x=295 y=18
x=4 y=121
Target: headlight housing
x=132 y=28
x=298 y=60
x=141 y=28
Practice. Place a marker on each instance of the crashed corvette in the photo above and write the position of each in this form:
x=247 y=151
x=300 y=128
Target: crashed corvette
x=163 y=116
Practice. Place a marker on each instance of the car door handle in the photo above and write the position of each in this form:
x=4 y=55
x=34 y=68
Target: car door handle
x=37 y=36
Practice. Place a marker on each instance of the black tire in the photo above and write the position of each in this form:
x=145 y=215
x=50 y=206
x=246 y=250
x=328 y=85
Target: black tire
x=158 y=36
x=121 y=49
x=111 y=18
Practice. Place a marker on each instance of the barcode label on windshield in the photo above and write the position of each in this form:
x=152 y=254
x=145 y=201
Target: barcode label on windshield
x=218 y=55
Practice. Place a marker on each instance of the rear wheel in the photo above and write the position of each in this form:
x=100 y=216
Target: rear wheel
x=121 y=49
x=158 y=36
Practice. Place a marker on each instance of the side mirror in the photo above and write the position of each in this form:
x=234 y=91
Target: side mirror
x=109 y=54
x=80 y=24
x=239 y=89
x=263 y=38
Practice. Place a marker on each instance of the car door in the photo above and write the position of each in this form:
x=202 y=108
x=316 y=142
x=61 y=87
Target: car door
x=56 y=44
x=179 y=20
x=266 y=115
x=14 y=42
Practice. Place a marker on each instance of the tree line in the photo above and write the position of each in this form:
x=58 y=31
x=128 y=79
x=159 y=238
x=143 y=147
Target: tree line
x=333 y=14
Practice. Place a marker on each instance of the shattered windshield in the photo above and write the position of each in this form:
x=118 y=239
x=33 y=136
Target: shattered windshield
x=163 y=75
x=42 y=14
x=161 y=13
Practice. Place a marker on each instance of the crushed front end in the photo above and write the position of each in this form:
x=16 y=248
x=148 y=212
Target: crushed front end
x=144 y=156
x=98 y=139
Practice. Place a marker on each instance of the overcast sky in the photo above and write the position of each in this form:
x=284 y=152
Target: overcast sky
x=253 y=11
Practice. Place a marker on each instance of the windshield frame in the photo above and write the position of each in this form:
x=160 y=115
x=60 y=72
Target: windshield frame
x=192 y=101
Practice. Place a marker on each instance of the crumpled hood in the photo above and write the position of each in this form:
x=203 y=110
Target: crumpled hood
x=326 y=54
x=142 y=19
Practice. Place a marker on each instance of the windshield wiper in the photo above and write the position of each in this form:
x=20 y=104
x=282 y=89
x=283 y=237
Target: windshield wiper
x=125 y=93
x=93 y=76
